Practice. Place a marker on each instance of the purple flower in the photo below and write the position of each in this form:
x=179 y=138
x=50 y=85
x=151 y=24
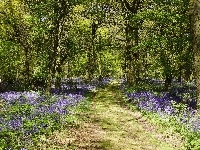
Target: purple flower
x=180 y=102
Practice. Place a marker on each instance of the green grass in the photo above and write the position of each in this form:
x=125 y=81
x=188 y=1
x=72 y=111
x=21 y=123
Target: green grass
x=106 y=121
x=172 y=132
x=119 y=127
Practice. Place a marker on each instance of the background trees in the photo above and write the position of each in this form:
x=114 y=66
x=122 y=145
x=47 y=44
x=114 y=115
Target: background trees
x=43 y=41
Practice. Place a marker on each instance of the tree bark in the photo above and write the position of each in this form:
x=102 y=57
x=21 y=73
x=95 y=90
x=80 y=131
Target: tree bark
x=168 y=81
x=92 y=53
x=132 y=39
x=55 y=65
x=196 y=43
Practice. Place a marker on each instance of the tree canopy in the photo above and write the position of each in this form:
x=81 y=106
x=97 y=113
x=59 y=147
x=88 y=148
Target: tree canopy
x=46 y=41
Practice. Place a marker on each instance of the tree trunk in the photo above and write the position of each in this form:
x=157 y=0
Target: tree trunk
x=89 y=65
x=48 y=84
x=92 y=53
x=60 y=11
x=129 y=70
x=27 y=66
x=168 y=81
x=58 y=77
x=132 y=40
x=131 y=57
x=196 y=43
x=180 y=74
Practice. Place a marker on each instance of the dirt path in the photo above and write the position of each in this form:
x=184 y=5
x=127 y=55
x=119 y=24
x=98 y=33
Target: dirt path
x=110 y=126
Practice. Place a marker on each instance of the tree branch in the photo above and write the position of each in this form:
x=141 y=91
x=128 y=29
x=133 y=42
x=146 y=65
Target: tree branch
x=134 y=7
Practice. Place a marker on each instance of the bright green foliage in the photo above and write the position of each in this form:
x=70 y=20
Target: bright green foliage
x=46 y=40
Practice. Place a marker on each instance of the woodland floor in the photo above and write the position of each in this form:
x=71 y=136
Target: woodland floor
x=108 y=124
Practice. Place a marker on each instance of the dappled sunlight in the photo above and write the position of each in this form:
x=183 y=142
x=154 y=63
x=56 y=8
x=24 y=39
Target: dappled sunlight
x=106 y=74
x=122 y=130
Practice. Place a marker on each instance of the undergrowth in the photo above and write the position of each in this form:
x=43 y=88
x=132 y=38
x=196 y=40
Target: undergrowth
x=166 y=122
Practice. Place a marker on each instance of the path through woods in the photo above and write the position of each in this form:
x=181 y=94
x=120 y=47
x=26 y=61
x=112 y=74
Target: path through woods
x=109 y=125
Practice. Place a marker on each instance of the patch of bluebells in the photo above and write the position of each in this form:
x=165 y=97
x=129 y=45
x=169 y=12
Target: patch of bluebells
x=30 y=112
x=178 y=102
x=29 y=105
x=79 y=86
x=103 y=82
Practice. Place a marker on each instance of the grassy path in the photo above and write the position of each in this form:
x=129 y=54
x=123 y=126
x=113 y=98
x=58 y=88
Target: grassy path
x=108 y=125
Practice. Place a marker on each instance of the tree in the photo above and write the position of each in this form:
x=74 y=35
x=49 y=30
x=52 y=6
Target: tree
x=131 y=55
x=195 y=14
x=54 y=15
x=17 y=30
